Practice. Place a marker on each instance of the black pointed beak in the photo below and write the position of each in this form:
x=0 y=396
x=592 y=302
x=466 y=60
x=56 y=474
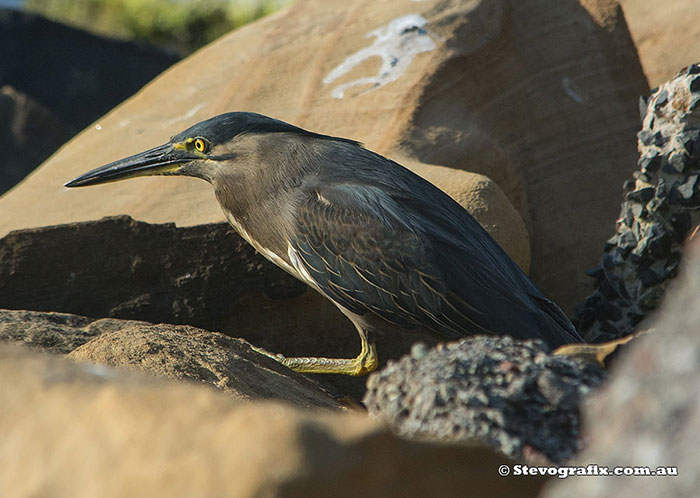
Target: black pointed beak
x=161 y=160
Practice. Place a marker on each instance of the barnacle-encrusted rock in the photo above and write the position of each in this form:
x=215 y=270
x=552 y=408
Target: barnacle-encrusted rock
x=659 y=214
x=510 y=394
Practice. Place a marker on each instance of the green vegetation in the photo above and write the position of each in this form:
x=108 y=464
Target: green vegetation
x=181 y=25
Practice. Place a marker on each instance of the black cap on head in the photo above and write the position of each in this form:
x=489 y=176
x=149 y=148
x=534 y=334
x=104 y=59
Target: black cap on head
x=224 y=127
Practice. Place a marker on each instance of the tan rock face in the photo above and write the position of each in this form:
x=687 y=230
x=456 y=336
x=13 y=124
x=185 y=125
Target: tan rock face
x=539 y=96
x=72 y=430
x=667 y=35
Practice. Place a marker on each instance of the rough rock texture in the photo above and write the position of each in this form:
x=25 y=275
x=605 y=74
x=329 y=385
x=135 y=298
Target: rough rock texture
x=509 y=394
x=188 y=353
x=667 y=35
x=54 y=332
x=81 y=431
x=164 y=350
x=539 y=96
x=660 y=212
x=649 y=414
x=119 y=267
x=29 y=133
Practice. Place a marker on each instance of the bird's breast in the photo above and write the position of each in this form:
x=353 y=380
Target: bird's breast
x=269 y=254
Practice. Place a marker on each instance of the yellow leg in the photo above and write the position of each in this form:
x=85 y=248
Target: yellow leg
x=363 y=364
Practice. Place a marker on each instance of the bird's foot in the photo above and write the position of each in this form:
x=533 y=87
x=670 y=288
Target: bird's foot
x=275 y=356
x=363 y=364
x=597 y=353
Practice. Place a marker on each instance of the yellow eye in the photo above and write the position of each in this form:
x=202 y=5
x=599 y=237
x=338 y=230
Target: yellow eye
x=200 y=145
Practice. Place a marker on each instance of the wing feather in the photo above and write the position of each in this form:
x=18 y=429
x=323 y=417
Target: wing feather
x=377 y=251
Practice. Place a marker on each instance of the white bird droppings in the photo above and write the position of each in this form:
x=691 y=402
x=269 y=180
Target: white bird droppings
x=397 y=43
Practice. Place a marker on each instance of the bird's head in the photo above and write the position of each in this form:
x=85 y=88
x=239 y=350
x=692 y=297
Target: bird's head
x=200 y=151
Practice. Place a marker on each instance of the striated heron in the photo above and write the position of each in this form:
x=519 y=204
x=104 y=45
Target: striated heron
x=388 y=248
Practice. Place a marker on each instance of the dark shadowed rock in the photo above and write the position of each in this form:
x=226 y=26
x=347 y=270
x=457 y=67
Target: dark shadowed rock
x=511 y=395
x=77 y=75
x=29 y=133
x=649 y=414
x=118 y=267
x=56 y=80
x=659 y=214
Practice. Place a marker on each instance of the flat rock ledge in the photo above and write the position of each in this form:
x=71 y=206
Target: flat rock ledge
x=168 y=351
x=509 y=394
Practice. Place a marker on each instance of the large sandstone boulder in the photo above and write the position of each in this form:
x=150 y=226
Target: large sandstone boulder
x=667 y=35
x=539 y=96
x=73 y=430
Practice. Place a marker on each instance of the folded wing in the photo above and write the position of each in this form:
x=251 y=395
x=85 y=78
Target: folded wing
x=417 y=261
